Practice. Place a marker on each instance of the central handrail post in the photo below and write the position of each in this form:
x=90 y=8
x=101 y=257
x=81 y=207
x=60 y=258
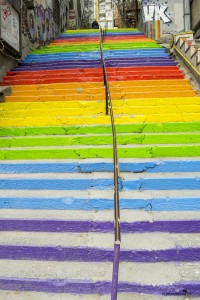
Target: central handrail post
x=117 y=243
x=104 y=69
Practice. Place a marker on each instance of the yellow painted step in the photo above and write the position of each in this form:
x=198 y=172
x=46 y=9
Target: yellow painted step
x=145 y=94
x=137 y=110
x=95 y=120
x=132 y=111
x=14 y=106
x=63 y=112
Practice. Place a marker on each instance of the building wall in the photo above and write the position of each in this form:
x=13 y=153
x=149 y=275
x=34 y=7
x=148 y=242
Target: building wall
x=195 y=17
x=195 y=12
x=106 y=13
x=40 y=25
x=161 y=19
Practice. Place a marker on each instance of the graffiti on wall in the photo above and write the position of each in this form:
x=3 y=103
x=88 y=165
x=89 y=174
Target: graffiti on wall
x=41 y=25
x=10 y=25
x=159 y=17
x=155 y=12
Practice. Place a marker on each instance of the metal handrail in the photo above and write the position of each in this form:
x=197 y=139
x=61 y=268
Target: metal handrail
x=109 y=109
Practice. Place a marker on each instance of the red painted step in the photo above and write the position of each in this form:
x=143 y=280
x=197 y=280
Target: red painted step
x=51 y=80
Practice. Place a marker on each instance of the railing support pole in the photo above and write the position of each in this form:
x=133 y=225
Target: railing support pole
x=117 y=243
x=115 y=274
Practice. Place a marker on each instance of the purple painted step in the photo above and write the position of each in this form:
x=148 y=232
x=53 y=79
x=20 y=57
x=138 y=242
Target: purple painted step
x=59 y=67
x=97 y=226
x=51 y=63
x=99 y=287
x=89 y=254
x=56 y=67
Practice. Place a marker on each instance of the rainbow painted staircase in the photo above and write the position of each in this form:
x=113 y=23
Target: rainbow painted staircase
x=56 y=171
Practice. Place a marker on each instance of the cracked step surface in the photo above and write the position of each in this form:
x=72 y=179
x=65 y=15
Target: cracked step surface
x=59 y=237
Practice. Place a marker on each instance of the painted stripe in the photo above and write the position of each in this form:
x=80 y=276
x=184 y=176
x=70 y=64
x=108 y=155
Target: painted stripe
x=101 y=288
x=163 y=127
x=101 y=184
x=192 y=226
x=64 y=67
x=63 y=203
x=132 y=139
x=89 y=152
x=89 y=254
x=189 y=104
x=11 y=295
x=114 y=60
x=94 y=47
x=159 y=166
x=114 y=53
x=81 y=65
x=98 y=120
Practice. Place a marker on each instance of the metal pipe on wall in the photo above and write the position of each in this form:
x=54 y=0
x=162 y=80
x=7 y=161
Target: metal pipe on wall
x=187 y=15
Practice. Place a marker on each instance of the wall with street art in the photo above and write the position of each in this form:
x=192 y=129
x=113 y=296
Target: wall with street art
x=42 y=21
x=162 y=18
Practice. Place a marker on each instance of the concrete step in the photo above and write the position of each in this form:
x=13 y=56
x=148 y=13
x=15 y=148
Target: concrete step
x=64 y=97
x=101 y=97
x=56 y=173
x=56 y=79
x=98 y=120
x=54 y=244
x=100 y=129
x=68 y=152
x=91 y=85
x=33 y=74
x=138 y=139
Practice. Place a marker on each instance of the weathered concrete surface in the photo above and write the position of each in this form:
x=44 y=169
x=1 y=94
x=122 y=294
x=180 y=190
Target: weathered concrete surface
x=56 y=213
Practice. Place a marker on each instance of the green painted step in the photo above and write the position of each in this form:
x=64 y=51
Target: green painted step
x=126 y=152
x=139 y=139
x=95 y=47
x=81 y=31
x=127 y=128
x=124 y=30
